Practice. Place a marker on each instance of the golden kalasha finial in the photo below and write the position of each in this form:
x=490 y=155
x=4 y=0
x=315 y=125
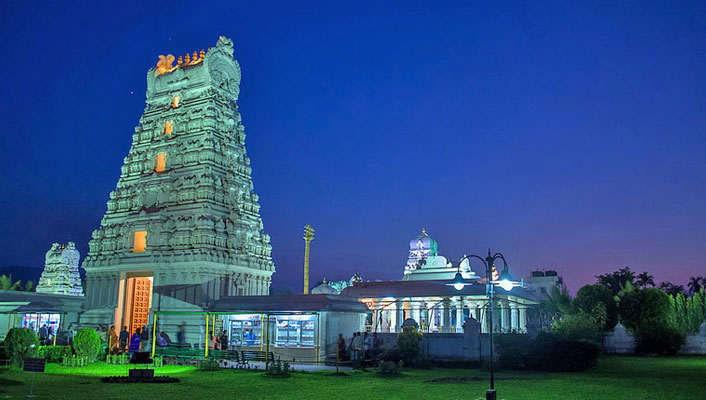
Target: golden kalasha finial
x=424 y=231
x=195 y=57
x=187 y=60
x=180 y=61
x=203 y=54
x=165 y=63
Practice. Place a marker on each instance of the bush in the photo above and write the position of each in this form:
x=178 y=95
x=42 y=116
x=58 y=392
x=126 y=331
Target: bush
x=209 y=365
x=388 y=368
x=278 y=369
x=515 y=351
x=590 y=296
x=391 y=355
x=21 y=343
x=579 y=326
x=663 y=339
x=87 y=344
x=408 y=344
x=54 y=354
x=552 y=353
x=548 y=352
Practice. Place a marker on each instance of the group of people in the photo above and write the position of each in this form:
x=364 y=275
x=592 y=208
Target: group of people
x=123 y=342
x=359 y=348
x=218 y=342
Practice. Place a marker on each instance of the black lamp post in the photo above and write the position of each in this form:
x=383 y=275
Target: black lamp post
x=504 y=281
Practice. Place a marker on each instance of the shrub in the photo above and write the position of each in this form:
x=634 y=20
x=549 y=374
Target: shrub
x=658 y=338
x=21 y=343
x=589 y=296
x=87 y=344
x=278 y=369
x=579 y=326
x=388 y=368
x=391 y=355
x=209 y=365
x=54 y=354
x=408 y=344
x=515 y=351
x=553 y=353
x=548 y=352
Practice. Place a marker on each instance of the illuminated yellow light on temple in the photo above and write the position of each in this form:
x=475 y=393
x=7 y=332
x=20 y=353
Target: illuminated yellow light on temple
x=168 y=128
x=175 y=102
x=161 y=162
x=140 y=242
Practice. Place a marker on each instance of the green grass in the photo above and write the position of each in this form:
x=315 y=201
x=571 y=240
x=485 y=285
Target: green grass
x=614 y=378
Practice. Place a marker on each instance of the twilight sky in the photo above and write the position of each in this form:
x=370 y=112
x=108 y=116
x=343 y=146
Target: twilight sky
x=564 y=134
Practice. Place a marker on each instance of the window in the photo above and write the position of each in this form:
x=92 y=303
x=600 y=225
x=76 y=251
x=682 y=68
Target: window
x=140 y=242
x=168 y=128
x=161 y=161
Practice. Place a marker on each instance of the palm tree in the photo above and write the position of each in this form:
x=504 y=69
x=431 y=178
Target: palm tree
x=644 y=280
x=6 y=283
x=671 y=288
x=695 y=284
x=29 y=287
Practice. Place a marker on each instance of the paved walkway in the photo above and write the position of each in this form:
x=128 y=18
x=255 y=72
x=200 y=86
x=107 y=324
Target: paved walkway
x=295 y=367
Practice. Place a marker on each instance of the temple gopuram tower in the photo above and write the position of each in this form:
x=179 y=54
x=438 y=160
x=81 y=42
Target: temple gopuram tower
x=183 y=225
x=60 y=274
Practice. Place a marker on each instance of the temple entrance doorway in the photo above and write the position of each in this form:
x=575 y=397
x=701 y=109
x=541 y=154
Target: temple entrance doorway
x=137 y=301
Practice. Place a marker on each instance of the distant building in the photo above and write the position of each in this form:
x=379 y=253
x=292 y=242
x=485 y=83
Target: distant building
x=60 y=275
x=425 y=263
x=541 y=282
x=424 y=295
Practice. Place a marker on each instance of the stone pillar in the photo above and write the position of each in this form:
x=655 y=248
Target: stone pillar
x=416 y=313
x=459 y=315
x=522 y=316
x=504 y=316
x=514 y=320
x=430 y=317
x=446 y=317
x=484 y=310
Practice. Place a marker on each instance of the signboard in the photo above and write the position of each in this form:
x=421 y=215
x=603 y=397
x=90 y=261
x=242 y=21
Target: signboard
x=34 y=364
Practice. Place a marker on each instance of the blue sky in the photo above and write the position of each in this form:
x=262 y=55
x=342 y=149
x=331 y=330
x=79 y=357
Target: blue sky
x=563 y=134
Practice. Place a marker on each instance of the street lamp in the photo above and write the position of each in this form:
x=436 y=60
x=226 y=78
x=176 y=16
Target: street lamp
x=505 y=281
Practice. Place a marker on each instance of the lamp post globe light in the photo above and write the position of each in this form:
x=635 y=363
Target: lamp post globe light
x=505 y=281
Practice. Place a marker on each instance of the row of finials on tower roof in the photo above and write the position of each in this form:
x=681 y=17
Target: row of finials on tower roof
x=164 y=64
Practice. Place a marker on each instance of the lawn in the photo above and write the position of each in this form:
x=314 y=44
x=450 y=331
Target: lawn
x=614 y=378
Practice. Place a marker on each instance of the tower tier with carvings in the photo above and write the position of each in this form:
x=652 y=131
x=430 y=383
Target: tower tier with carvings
x=184 y=212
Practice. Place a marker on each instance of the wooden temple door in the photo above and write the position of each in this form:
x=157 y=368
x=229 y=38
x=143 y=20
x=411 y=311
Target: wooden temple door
x=139 y=314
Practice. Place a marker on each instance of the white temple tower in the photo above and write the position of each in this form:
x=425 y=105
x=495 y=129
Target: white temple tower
x=60 y=275
x=183 y=226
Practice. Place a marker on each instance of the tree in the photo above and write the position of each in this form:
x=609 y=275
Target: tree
x=29 y=286
x=655 y=330
x=645 y=280
x=617 y=280
x=557 y=304
x=7 y=284
x=695 y=284
x=671 y=289
x=590 y=296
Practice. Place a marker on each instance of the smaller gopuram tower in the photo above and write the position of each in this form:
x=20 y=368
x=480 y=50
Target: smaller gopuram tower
x=60 y=275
